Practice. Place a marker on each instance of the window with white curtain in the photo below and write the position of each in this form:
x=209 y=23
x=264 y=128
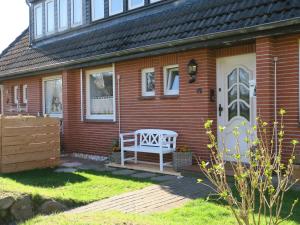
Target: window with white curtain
x=25 y=94
x=49 y=10
x=38 y=20
x=62 y=8
x=52 y=96
x=76 y=12
x=100 y=94
x=97 y=9
x=132 y=4
x=115 y=7
x=171 y=80
x=148 y=82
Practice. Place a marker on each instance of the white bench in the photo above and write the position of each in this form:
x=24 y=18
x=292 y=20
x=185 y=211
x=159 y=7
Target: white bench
x=149 y=141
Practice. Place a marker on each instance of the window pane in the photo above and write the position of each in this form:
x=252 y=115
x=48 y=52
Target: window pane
x=38 y=21
x=116 y=6
x=53 y=96
x=135 y=3
x=244 y=77
x=232 y=94
x=150 y=81
x=77 y=12
x=232 y=78
x=244 y=93
x=232 y=111
x=173 y=80
x=244 y=111
x=101 y=94
x=50 y=16
x=98 y=9
x=63 y=14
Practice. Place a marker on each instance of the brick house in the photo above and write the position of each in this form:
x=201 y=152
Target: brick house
x=111 y=66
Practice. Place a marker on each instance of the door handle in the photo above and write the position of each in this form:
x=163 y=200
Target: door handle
x=220 y=110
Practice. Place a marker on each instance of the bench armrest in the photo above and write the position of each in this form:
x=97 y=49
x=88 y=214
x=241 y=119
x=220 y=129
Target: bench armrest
x=126 y=134
x=128 y=139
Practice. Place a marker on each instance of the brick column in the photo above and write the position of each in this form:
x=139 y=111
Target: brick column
x=265 y=79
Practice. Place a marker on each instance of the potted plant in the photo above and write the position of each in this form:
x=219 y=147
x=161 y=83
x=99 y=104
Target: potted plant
x=116 y=152
x=183 y=157
x=296 y=166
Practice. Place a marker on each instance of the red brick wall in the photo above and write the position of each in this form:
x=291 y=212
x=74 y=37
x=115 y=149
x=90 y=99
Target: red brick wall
x=185 y=114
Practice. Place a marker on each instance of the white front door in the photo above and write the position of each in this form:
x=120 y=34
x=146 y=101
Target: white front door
x=236 y=101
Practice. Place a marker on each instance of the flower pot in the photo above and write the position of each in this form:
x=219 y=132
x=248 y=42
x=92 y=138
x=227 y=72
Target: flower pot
x=116 y=157
x=296 y=174
x=181 y=160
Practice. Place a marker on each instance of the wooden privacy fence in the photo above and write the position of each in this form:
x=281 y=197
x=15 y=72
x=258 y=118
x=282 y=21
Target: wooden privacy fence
x=28 y=142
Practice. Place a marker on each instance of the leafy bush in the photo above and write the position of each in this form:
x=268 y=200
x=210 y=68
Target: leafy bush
x=257 y=193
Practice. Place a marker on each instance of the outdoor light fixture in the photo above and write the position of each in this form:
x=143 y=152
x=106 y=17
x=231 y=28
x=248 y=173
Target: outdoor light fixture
x=192 y=70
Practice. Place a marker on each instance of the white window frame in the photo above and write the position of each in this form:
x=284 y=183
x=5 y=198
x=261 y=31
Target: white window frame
x=16 y=94
x=166 y=91
x=135 y=6
x=46 y=16
x=144 y=92
x=89 y=116
x=153 y=1
x=93 y=11
x=56 y=77
x=115 y=13
x=36 y=21
x=61 y=28
x=25 y=93
x=72 y=14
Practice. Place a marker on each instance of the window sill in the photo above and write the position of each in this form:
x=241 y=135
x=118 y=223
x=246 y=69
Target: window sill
x=147 y=97
x=169 y=97
x=99 y=121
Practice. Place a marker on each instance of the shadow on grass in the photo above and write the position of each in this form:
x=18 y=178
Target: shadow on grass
x=45 y=178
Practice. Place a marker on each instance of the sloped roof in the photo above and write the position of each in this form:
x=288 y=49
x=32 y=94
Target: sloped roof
x=179 y=20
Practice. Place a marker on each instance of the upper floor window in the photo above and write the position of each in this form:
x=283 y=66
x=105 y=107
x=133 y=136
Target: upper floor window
x=16 y=94
x=76 y=12
x=49 y=9
x=97 y=9
x=38 y=20
x=115 y=7
x=25 y=94
x=132 y=4
x=171 y=80
x=148 y=82
x=62 y=7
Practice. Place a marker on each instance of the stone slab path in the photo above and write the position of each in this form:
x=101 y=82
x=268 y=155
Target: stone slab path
x=155 y=198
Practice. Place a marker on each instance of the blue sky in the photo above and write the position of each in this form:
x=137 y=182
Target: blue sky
x=13 y=20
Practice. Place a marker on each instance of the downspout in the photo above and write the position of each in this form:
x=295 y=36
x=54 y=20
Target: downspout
x=275 y=105
x=81 y=95
x=29 y=33
x=119 y=104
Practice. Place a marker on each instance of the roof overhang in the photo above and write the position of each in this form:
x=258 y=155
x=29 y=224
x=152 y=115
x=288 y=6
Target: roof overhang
x=221 y=39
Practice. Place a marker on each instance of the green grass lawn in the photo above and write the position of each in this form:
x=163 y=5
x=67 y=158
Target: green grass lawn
x=197 y=212
x=73 y=189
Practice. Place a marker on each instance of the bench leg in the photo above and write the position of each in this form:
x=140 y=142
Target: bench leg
x=122 y=157
x=135 y=157
x=161 y=162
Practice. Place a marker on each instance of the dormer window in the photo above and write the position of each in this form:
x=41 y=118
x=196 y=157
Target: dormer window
x=38 y=20
x=115 y=7
x=132 y=4
x=97 y=9
x=62 y=7
x=49 y=8
x=76 y=12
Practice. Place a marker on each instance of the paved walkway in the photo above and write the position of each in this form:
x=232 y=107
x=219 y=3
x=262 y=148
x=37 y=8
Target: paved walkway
x=170 y=193
x=155 y=198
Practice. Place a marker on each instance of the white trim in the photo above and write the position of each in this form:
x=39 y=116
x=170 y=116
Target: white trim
x=36 y=20
x=81 y=95
x=25 y=93
x=58 y=115
x=153 y=1
x=166 y=91
x=88 y=104
x=46 y=16
x=143 y=74
x=16 y=94
x=130 y=7
x=2 y=99
x=93 y=10
x=110 y=12
x=72 y=14
x=60 y=28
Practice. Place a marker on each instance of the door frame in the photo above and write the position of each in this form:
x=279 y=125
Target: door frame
x=220 y=84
